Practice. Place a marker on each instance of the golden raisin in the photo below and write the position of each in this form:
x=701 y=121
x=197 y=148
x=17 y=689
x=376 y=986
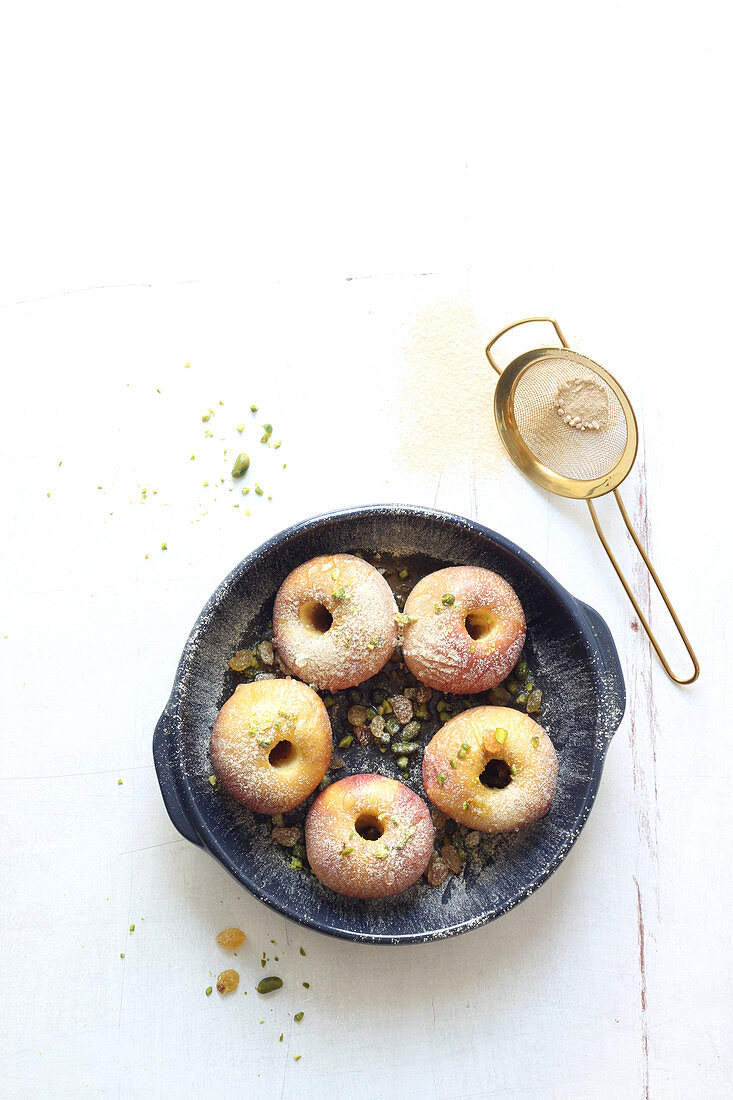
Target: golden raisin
x=227 y=981
x=242 y=659
x=231 y=938
x=451 y=857
x=287 y=836
x=438 y=870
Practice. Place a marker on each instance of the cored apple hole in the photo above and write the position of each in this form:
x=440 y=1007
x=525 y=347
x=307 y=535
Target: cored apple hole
x=281 y=754
x=479 y=624
x=496 y=774
x=369 y=827
x=315 y=617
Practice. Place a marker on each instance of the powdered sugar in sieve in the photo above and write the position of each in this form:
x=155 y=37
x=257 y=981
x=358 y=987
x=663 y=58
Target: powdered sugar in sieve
x=578 y=454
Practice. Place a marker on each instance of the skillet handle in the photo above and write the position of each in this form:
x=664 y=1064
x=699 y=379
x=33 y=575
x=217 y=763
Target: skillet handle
x=162 y=755
x=614 y=696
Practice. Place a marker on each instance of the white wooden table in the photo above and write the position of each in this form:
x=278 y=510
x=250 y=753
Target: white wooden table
x=328 y=214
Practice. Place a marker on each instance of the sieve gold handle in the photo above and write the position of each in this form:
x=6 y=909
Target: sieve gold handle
x=515 y=324
x=660 y=589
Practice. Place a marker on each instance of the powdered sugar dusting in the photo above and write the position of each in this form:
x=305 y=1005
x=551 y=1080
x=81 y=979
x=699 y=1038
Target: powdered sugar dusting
x=257 y=718
x=363 y=634
x=351 y=865
x=526 y=748
x=437 y=646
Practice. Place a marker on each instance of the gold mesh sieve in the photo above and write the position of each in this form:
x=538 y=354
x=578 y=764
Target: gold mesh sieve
x=570 y=452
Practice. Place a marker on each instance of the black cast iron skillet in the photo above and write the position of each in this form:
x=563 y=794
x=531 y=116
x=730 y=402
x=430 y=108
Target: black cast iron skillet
x=569 y=648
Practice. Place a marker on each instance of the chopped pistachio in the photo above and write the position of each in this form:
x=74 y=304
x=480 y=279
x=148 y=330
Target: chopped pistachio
x=119 y=782
x=278 y=444
x=253 y=408
x=132 y=927
x=207 y=416
x=408 y=833
x=345 y=741
x=258 y=489
x=411 y=730
x=382 y=851
x=240 y=467
x=164 y=546
x=338 y=594
x=501 y=735
x=302 y=951
x=403 y=574
x=441 y=779
x=298 y=1017
x=269 y=985
x=534 y=701
x=209 y=990
x=267 y=432
x=240 y=427
x=448 y=599
x=536 y=742
x=306 y=985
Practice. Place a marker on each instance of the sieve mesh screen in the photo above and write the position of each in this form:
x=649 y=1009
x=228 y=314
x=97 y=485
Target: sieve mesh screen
x=580 y=455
